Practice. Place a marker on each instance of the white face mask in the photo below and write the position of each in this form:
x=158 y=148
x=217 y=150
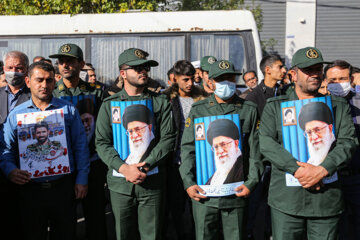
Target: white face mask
x=225 y=89
x=14 y=78
x=339 y=89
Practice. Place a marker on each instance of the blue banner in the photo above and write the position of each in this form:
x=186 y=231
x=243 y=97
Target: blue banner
x=308 y=131
x=218 y=150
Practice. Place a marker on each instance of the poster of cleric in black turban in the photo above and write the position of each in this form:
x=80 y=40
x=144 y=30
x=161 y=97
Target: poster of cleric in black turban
x=134 y=132
x=311 y=133
x=219 y=161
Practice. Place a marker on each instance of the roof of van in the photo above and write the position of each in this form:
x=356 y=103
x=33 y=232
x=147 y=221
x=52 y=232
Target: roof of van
x=131 y=22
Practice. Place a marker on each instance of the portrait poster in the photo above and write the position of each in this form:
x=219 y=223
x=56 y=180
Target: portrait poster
x=218 y=151
x=86 y=105
x=308 y=132
x=42 y=143
x=133 y=126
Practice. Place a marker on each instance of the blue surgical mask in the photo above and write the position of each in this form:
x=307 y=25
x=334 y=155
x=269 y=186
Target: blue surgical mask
x=225 y=89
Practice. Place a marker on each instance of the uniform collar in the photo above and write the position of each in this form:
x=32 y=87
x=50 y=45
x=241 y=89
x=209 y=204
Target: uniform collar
x=82 y=85
x=124 y=95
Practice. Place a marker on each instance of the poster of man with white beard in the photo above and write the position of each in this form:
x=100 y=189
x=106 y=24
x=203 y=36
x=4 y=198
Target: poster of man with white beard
x=133 y=132
x=219 y=161
x=311 y=136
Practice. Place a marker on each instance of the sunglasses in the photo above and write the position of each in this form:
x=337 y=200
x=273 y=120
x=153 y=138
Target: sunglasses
x=139 y=68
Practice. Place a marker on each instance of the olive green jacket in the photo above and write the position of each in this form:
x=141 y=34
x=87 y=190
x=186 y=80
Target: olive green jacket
x=297 y=200
x=250 y=147
x=165 y=134
x=83 y=88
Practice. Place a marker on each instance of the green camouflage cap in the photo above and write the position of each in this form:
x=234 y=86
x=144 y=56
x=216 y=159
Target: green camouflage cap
x=222 y=67
x=135 y=57
x=69 y=50
x=206 y=62
x=306 y=57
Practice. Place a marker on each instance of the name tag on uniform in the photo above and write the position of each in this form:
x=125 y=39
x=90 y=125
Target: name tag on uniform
x=151 y=172
x=291 y=181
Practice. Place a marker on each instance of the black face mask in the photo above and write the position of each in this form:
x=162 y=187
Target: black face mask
x=14 y=78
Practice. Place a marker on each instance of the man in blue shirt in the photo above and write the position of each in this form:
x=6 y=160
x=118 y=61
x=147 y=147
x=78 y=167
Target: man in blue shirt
x=51 y=198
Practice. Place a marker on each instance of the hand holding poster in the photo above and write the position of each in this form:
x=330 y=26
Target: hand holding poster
x=42 y=143
x=133 y=131
x=219 y=161
x=308 y=132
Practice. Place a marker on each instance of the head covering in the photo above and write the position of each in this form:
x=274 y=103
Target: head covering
x=315 y=111
x=196 y=64
x=135 y=57
x=306 y=57
x=206 y=62
x=222 y=127
x=86 y=105
x=69 y=50
x=137 y=112
x=222 y=67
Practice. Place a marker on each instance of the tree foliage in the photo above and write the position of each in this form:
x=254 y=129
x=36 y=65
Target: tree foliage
x=39 y=7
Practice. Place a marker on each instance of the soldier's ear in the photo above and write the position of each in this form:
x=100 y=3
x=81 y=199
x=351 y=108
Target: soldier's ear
x=27 y=81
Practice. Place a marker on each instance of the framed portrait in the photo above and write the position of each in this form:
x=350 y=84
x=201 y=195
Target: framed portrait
x=199 y=131
x=115 y=113
x=289 y=116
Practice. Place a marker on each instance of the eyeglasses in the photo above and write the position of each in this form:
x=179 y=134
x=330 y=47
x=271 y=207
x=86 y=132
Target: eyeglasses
x=136 y=130
x=139 y=68
x=250 y=79
x=316 y=130
x=223 y=145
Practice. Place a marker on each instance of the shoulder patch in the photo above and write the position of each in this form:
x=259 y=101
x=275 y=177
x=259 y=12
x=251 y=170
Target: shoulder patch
x=187 y=122
x=82 y=87
x=61 y=87
x=92 y=84
x=98 y=86
x=257 y=124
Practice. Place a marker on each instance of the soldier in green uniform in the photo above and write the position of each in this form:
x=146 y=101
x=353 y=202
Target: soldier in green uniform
x=210 y=213
x=205 y=64
x=136 y=197
x=72 y=88
x=313 y=207
x=44 y=149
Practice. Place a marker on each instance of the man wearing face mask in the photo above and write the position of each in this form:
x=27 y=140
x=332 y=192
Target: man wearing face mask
x=206 y=210
x=13 y=94
x=339 y=77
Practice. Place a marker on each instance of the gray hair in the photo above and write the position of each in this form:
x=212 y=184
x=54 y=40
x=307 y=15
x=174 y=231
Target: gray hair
x=17 y=54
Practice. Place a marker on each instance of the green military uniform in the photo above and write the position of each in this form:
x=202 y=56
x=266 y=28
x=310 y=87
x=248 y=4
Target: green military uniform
x=228 y=211
x=137 y=208
x=296 y=208
x=94 y=203
x=41 y=152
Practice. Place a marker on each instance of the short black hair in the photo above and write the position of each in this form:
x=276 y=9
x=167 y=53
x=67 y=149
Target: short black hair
x=171 y=71
x=251 y=71
x=41 y=65
x=355 y=70
x=269 y=61
x=40 y=125
x=340 y=64
x=184 y=67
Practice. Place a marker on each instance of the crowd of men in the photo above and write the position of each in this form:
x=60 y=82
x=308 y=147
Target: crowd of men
x=155 y=185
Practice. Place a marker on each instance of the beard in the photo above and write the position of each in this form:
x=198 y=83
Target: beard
x=319 y=152
x=138 y=148
x=225 y=163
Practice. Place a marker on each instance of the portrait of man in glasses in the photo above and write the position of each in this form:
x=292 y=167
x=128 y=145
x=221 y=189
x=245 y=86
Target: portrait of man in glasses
x=223 y=136
x=316 y=121
x=138 y=122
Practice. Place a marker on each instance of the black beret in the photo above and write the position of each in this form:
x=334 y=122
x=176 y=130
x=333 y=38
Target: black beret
x=288 y=111
x=315 y=111
x=222 y=127
x=137 y=112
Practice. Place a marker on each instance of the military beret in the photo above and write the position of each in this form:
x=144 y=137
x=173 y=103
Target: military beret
x=137 y=112
x=222 y=67
x=306 y=57
x=135 y=57
x=206 y=62
x=315 y=111
x=222 y=127
x=69 y=50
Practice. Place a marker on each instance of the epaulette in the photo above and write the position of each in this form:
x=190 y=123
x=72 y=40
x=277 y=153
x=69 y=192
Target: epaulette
x=278 y=98
x=201 y=102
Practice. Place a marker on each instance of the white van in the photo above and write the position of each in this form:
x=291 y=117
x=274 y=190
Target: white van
x=167 y=36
